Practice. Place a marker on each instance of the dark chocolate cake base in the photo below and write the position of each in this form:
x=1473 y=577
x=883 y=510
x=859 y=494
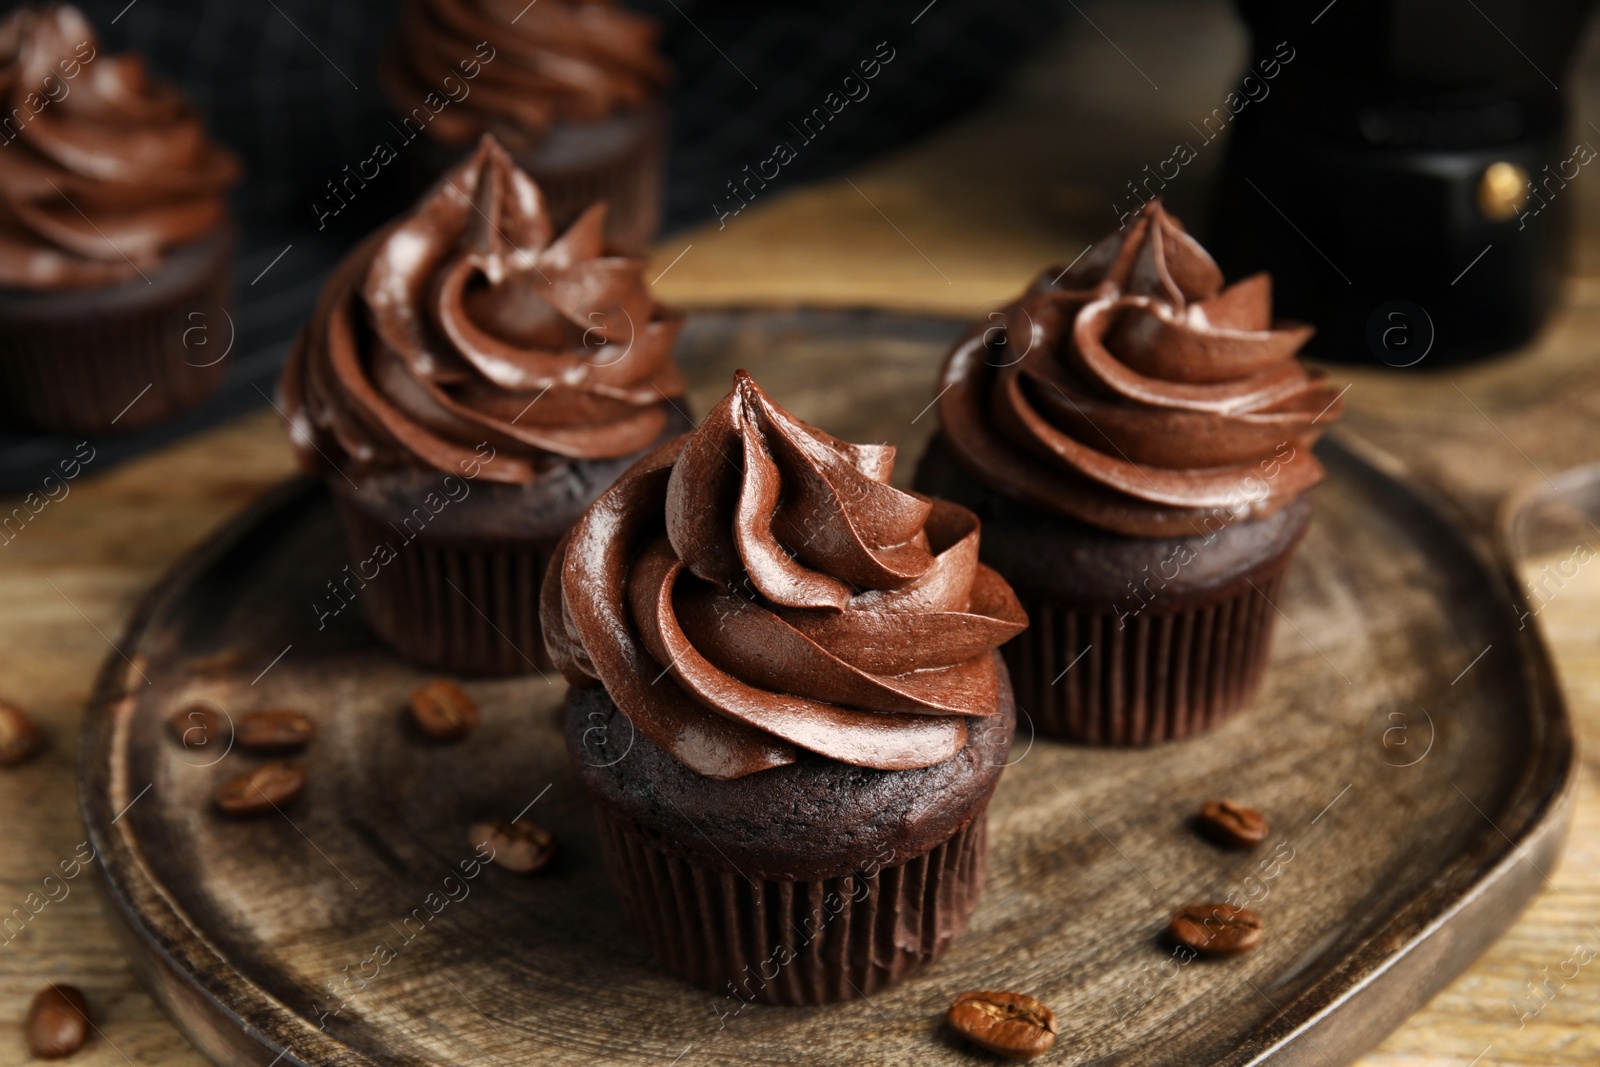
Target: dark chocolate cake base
x=1131 y=641
x=805 y=884
x=118 y=358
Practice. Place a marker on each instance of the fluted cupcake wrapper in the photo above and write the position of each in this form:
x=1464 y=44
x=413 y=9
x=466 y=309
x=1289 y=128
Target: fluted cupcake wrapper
x=1084 y=675
x=105 y=368
x=458 y=606
x=779 y=942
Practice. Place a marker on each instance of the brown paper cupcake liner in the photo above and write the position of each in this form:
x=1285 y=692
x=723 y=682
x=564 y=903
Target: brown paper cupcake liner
x=102 y=367
x=775 y=942
x=466 y=608
x=1084 y=675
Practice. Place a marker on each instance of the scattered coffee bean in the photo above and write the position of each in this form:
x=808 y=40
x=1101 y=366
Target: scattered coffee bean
x=20 y=737
x=443 y=711
x=199 y=726
x=269 y=786
x=519 y=846
x=58 y=1022
x=1013 y=1025
x=279 y=730
x=1230 y=823
x=1216 y=929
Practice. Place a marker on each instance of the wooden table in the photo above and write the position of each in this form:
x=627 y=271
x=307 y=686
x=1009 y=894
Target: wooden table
x=954 y=225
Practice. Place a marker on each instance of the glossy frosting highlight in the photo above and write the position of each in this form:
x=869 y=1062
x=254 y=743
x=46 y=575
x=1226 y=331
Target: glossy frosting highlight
x=468 y=322
x=573 y=60
x=1135 y=392
x=757 y=587
x=102 y=168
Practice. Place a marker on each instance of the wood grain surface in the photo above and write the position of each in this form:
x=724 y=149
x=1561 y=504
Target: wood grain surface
x=955 y=225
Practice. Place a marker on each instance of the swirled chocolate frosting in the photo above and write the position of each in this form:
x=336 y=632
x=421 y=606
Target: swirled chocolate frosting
x=102 y=169
x=1136 y=393
x=467 y=322
x=757 y=587
x=531 y=65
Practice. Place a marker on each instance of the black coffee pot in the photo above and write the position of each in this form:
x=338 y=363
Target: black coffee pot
x=1406 y=173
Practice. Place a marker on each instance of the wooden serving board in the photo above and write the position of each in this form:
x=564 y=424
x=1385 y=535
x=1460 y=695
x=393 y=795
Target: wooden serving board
x=1409 y=746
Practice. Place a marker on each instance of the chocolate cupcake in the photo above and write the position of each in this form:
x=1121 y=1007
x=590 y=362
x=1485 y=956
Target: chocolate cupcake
x=1136 y=438
x=469 y=383
x=115 y=237
x=571 y=87
x=787 y=705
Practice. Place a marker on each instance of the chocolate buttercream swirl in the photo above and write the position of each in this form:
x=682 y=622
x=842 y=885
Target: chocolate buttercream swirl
x=102 y=169
x=757 y=587
x=1134 y=392
x=574 y=60
x=465 y=323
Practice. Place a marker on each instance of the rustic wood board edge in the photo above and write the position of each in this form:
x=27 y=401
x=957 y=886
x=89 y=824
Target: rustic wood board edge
x=1391 y=975
x=220 y=1033
x=1400 y=969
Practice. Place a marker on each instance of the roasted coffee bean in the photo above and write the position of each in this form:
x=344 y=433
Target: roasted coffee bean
x=58 y=1022
x=199 y=726
x=278 y=730
x=1013 y=1025
x=519 y=846
x=20 y=737
x=1230 y=823
x=1216 y=929
x=269 y=786
x=443 y=711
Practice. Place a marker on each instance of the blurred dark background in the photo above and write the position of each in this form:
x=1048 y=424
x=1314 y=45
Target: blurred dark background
x=1355 y=172
x=292 y=84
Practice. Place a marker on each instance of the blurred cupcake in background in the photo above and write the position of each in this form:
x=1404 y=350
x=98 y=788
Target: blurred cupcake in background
x=1136 y=438
x=115 y=238
x=469 y=382
x=571 y=88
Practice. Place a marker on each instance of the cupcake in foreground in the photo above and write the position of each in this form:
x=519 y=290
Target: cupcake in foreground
x=115 y=237
x=787 y=705
x=571 y=87
x=468 y=384
x=1136 y=438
